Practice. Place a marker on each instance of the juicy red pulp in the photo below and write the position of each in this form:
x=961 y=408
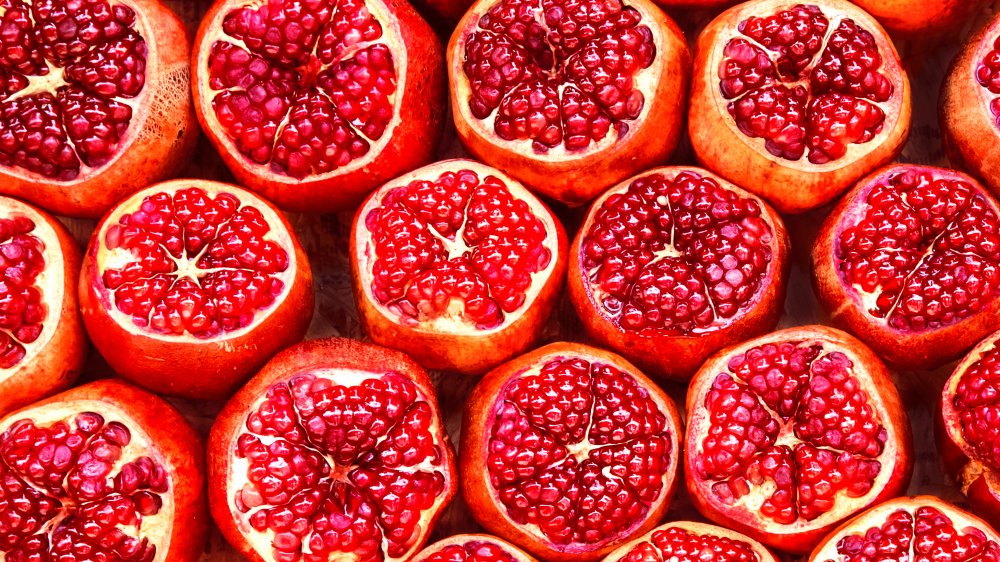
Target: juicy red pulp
x=305 y=85
x=925 y=535
x=558 y=72
x=679 y=545
x=22 y=311
x=340 y=469
x=925 y=253
x=988 y=76
x=471 y=551
x=195 y=264
x=803 y=81
x=977 y=402
x=67 y=69
x=792 y=417
x=682 y=255
x=457 y=238
x=579 y=450
x=69 y=491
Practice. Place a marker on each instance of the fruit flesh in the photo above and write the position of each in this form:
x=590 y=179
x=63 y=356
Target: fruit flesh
x=471 y=551
x=675 y=544
x=977 y=403
x=22 y=310
x=988 y=76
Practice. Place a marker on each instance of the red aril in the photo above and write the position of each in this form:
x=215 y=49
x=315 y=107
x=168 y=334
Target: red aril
x=688 y=541
x=797 y=101
x=190 y=285
x=42 y=341
x=472 y=548
x=921 y=528
x=568 y=452
x=909 y=261
x=104 y=471
x=335 y=450
x=456 y=264
x=313 y=103
x=918 y=19
x=676 y=263
x=94 y=102
x=568 y=96
x=791 y=433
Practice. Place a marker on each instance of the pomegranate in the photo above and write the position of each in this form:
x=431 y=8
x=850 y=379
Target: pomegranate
x=916 y=19
x=472 y=548
x=104 y=471
x=568 y=452
x=42 y=342
x=95 y=101
x=791 y=433
x=676 y=263
x=797 y=101
x=922 y=528
x=568 y=96
x=968 y=425
x=909 y=261
x=687 y=541
x=190 y=285
x=456 y=264
x=970 y=106
x=315 y=103
x=334 y=450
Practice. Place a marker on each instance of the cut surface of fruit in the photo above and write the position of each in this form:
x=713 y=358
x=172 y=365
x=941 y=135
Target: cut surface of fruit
x=687 y=541
x=472 y=548
x=793 y=433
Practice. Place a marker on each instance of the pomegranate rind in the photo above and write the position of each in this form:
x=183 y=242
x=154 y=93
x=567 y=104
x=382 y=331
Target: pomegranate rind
x=574 y=178
x=763 y=554
x=516 y=553
x=673 y=356
x=171 y=441
x=876 y=516
x=330 y=354
x=466 y=349
x=968 y=126
x=410 y=139
x=52 y=362
x=184 y=365
x=160 y=138
x=896 y=457
x=917 y=19
x=926 y=349
x=479 y=416
x=791 y=186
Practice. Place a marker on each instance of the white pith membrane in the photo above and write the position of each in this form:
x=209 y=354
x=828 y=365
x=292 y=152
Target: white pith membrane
x=186 y=267
x=392 y=35
x=835 y=12
x=747 y=508
x=54 y=79
x=469 y=543
x=579 y=452
x=454 y=321
x=644 y=548
x=645 y=80
x=49 y=281
x=973 y=534
x=237 y=479
x=156 y=528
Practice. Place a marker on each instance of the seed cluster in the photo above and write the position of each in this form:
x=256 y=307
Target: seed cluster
x=22 y=312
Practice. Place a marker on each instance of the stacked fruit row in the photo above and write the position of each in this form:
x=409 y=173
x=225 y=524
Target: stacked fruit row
x=794 y=440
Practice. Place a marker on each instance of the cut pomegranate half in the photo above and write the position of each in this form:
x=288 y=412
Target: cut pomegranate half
x=674 y=264
x=335 y=450
x=688 y=541
x=189 y=286
x=315 y=103
x=791 y=433
x=909 y=262
x=457 y=264
x=922 y=528
x=797 y=101
x=568 y=96
x=42 y=341
x=568 y=452
x=104 y=471
x=472 y=548
x=94 y=101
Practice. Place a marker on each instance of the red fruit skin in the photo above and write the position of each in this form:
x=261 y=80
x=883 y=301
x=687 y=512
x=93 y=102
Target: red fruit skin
x=56 y=367
x=899 y=349
x=916 y=18
x=192 y=368
x=180 y=448
x=803 y=541
x=677 y=357
x=414 y=139
x=329 y=353
x=169 y=130
x=475 y=482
